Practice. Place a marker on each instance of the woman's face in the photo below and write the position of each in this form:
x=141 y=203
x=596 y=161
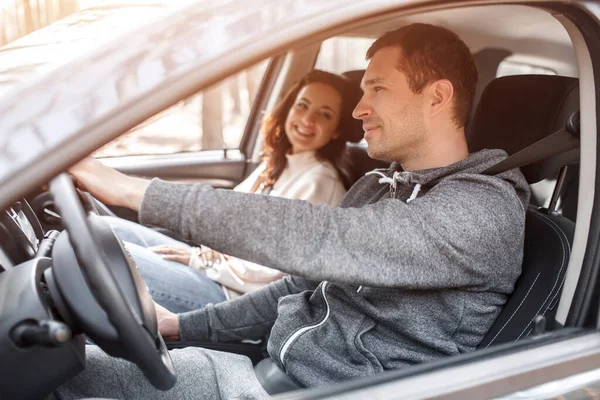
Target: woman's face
x=313 y=119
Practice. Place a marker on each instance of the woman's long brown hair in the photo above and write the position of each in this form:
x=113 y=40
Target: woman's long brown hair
x=276 y=144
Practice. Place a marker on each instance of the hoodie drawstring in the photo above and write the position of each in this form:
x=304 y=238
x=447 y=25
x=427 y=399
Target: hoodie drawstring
x=393 y=182
x=414 y=193
x=384 y=178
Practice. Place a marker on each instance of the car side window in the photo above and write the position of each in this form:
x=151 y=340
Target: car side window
x=213 y=119
x=343 y=53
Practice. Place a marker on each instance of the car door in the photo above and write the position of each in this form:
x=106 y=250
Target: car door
x=206 y=138
x=202 y=139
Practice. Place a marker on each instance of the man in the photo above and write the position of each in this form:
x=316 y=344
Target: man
x=415 y=265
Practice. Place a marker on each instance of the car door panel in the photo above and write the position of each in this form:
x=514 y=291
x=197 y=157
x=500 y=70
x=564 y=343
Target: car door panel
x=221 y=169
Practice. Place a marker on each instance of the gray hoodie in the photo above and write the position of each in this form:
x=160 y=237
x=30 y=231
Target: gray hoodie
x=413 y=266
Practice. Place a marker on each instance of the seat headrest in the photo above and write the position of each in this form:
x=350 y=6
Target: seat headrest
x=354 y=76
x=517 y=111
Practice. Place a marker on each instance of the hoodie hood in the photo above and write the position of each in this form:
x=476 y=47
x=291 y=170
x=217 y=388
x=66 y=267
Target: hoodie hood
x=476 y=163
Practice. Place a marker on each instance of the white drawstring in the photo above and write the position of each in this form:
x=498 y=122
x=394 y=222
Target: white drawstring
x=377 y=172
x=414 y=193
x=393 y=182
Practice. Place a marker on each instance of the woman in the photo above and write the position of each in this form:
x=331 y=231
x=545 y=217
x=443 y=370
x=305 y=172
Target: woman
x=303 y=158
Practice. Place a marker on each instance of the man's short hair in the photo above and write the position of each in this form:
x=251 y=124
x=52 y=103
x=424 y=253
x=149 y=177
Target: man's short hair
x=430 y=53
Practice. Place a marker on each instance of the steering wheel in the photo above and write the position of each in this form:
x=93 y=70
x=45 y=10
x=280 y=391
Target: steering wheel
x=102 y=289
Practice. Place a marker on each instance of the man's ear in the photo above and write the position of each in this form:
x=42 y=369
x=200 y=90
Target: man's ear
x=441 y=95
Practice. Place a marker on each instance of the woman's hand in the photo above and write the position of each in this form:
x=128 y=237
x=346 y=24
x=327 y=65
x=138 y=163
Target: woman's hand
x=172 y=252
x=109 y=185
x=183 y=254
x=168 y=323
x=211 y=257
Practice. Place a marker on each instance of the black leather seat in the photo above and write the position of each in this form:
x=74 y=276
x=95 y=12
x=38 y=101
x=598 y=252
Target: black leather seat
x=515 y=112
x=548 y=240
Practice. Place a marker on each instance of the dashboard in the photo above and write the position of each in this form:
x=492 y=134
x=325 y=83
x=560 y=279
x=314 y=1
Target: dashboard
x=20 y=234
x=47 y=305
x=33 y=330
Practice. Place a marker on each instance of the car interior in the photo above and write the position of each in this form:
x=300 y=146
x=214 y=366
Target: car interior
x=527 y=103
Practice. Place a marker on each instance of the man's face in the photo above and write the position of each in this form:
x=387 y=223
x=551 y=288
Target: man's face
x=393 y=116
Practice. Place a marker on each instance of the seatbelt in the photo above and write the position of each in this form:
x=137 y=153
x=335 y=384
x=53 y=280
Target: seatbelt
x=559 y=142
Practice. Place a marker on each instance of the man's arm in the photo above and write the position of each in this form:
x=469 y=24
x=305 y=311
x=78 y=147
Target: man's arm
x=460 y=234
x=454 y=236
x=246 y=317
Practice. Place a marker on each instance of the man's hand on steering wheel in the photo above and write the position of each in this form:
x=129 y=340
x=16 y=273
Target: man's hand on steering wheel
x=109 y=185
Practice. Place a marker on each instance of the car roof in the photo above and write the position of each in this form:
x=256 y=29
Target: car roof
x=61 y=114
x=546 y=42
x=47 y=48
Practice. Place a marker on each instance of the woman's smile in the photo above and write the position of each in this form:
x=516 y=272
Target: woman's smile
x=313 y=119
x=304 y=132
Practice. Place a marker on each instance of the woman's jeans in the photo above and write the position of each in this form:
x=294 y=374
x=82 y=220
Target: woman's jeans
x=173 y=285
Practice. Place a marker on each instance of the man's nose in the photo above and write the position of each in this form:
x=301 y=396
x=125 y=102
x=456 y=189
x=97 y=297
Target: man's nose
x=362 y=109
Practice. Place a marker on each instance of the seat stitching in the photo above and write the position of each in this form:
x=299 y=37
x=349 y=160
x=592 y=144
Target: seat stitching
x=562 y=238
x=513 y=314
x=558 y=229
x=556 y=294
x=564 y=277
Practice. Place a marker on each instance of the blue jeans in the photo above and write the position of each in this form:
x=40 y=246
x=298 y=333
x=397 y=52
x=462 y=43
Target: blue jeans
x=173 y=285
